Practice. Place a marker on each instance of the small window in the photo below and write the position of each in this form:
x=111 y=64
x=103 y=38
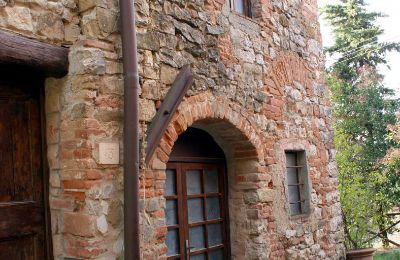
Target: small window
x=297 y=182
x=242 y=7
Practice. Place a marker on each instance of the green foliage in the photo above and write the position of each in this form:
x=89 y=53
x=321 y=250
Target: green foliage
x=392 y=162
x=368 y=190
x=356 y=38
x=363 y=109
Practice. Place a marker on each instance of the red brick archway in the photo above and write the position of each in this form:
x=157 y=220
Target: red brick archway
x=206 y=110
x=250 y=185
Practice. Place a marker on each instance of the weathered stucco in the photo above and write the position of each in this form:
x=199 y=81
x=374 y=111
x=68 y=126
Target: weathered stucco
x=259 y=80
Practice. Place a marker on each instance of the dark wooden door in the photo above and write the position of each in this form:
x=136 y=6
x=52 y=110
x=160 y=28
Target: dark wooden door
x=196 y=213
x=22 y=203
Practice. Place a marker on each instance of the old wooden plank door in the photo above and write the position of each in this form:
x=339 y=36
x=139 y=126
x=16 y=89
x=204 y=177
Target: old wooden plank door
x=22 y=186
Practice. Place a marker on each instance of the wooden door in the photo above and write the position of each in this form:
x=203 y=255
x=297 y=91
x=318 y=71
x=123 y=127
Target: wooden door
x=22 y=189
x=196 y=213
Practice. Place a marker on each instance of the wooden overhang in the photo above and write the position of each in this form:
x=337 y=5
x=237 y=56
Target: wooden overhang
x=20 y=51
x=157 y=128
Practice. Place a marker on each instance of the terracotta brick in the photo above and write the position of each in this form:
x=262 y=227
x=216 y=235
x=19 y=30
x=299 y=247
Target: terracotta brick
x=82 y=153
x=85 y=252
x=80 y=184
x=90 y=123
x=64 y=204
x=79 y=224
x=77 y=195
x=159 y=214
x=160 y=175
x=93 y=174
x=277 y=102
x=111 y=102
x=85 y=133
x=161 y=232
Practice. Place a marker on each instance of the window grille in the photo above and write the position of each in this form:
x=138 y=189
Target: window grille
x=297 y=182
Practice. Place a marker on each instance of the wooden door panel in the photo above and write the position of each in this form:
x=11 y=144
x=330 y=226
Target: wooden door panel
x=25 y=246
x=22 y=211
x=19 y=152
x=19 y=219
x=35 y=142
x=6 y=156
x=23 y=173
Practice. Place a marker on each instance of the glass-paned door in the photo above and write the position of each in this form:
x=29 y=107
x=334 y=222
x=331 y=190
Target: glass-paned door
x=196 y=214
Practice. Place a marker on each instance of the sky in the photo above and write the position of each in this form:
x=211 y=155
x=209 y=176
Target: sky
x=391 y=25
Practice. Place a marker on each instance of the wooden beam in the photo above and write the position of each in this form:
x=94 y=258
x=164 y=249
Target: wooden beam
x=21 y=51
x=168 y=107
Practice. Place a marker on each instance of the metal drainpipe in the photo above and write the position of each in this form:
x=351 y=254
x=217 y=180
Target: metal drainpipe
x=131 y=131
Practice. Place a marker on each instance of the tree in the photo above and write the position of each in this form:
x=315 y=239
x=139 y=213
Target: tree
x=363 y=108
x=356 y=38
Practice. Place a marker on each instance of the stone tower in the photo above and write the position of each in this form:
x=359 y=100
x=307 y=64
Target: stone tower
x=259 y=99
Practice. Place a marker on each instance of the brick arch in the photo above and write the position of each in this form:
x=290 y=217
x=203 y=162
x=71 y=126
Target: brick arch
x=209 y=113
x=250 y=199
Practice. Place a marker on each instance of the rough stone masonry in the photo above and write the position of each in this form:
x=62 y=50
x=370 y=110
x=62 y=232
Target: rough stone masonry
x=259 y=90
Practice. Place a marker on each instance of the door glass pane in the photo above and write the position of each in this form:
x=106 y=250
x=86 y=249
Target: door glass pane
x=195 y=210
x=193 y=182
x=213 y=208
x=214 y=234
x=294 y=195
x=173 y=242
x=170 y=183
x=295 y=209
x=198 y=257
x=211 y=181
x=196 y=238
x=292 y=176
x=216 y=255
x=171 y=212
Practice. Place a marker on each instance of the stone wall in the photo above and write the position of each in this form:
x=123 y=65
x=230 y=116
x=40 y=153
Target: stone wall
x=263 y=78
x=82 y=109
x=260 y=80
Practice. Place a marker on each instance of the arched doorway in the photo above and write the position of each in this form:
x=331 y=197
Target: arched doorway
x=248 y=188
x=196 y=199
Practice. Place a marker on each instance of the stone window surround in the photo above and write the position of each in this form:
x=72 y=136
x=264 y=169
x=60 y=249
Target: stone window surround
x=256 y=11
x=293 y=145
x=249 y=15
x=302 y=173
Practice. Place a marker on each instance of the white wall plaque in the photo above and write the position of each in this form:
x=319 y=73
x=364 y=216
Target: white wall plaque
x=109 y=153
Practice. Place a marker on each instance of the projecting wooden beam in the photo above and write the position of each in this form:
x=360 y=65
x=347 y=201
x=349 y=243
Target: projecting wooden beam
x=168 y=107
x=21 y=51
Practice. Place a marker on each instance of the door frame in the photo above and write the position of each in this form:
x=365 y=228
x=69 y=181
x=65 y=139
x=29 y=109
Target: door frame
x=45 y=175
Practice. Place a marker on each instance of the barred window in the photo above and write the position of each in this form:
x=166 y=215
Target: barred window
x=297 y=182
